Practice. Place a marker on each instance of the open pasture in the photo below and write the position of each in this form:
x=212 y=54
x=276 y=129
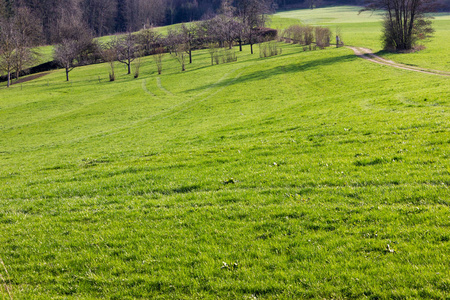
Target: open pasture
x=305 y=175
x=364 y=30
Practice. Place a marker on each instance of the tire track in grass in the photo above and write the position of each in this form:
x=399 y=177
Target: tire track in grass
x=169 y=112
x=367 y=54
x=173 y=110
x=144 y=88
x=160 y=86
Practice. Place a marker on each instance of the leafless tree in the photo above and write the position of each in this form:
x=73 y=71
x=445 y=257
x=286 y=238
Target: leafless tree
x=158 y=58
x=172 y=39
x=323 y=36
x=126 y=49
x=180 y=55
x=253 y=15
x=188 y=37
x=148 y=40
x=28 y=33
x=75 y=43
x=7 y=49
x=224 y=28
x=137 y=63
x=109 y=56
x=405 y=21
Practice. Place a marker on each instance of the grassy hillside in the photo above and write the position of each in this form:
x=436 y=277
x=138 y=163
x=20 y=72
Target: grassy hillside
x=277 y=178
x=364 y=30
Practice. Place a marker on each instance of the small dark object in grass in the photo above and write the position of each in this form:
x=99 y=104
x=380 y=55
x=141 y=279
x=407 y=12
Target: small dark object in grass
x=230 y=181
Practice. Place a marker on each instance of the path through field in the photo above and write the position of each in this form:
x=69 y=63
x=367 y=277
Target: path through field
x=370 y=56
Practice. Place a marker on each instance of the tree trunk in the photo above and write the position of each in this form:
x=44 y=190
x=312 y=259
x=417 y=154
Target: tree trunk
x=251 y=48
x=9 y=79
x=190 y=56
x=67 y=74
x=129 y=67
x=240 y=45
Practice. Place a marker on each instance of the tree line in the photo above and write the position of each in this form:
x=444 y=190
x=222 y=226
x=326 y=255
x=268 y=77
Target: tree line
x=116 y=16
x=75 y=44
x=241 y=24
x=112 y=16
x=236 y=21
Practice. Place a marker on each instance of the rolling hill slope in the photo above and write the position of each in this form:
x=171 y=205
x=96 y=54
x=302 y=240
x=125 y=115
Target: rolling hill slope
x=307 y=175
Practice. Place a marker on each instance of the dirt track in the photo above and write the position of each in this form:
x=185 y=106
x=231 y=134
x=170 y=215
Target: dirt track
x=28 y=78
x=370 y=56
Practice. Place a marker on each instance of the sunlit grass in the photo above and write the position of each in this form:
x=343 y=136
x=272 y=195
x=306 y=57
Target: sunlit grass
x=364 y=30
x=276 y=178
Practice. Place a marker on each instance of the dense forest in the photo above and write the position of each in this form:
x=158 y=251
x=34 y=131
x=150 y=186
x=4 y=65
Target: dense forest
x=111 y=16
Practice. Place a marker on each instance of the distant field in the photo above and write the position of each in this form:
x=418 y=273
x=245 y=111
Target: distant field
x=306 y=175
x=364 y=29
x=332 y=15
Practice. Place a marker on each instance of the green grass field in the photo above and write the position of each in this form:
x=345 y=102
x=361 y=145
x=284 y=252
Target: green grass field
x=364 y=30
x=276 y=178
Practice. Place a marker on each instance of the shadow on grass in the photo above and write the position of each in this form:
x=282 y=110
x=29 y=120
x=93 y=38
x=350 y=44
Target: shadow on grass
x=279 y=70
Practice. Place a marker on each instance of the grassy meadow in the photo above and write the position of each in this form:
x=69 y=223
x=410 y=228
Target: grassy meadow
x=364 y=30
x=306 y=175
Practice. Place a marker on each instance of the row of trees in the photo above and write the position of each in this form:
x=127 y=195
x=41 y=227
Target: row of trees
x=241 y=24
x=239 y=21
x=21 y=30
x=112 y=16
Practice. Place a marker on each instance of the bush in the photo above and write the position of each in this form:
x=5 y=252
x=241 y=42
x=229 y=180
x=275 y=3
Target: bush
x=268 y=49
x=299 y=34
x=323 y=37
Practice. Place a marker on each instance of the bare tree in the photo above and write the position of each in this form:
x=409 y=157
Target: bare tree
x=179 y=53
x=405 y=21
x=109 y=56
x=126 y=49
x=75 y=43
x=188 y=38
x=28 y=33
x=223 y=29
x=158 y=58
x=323 y=36
x=148 y=40
x=253 y=15
x=137 y=63
x=172 y=39
x=7 y=49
